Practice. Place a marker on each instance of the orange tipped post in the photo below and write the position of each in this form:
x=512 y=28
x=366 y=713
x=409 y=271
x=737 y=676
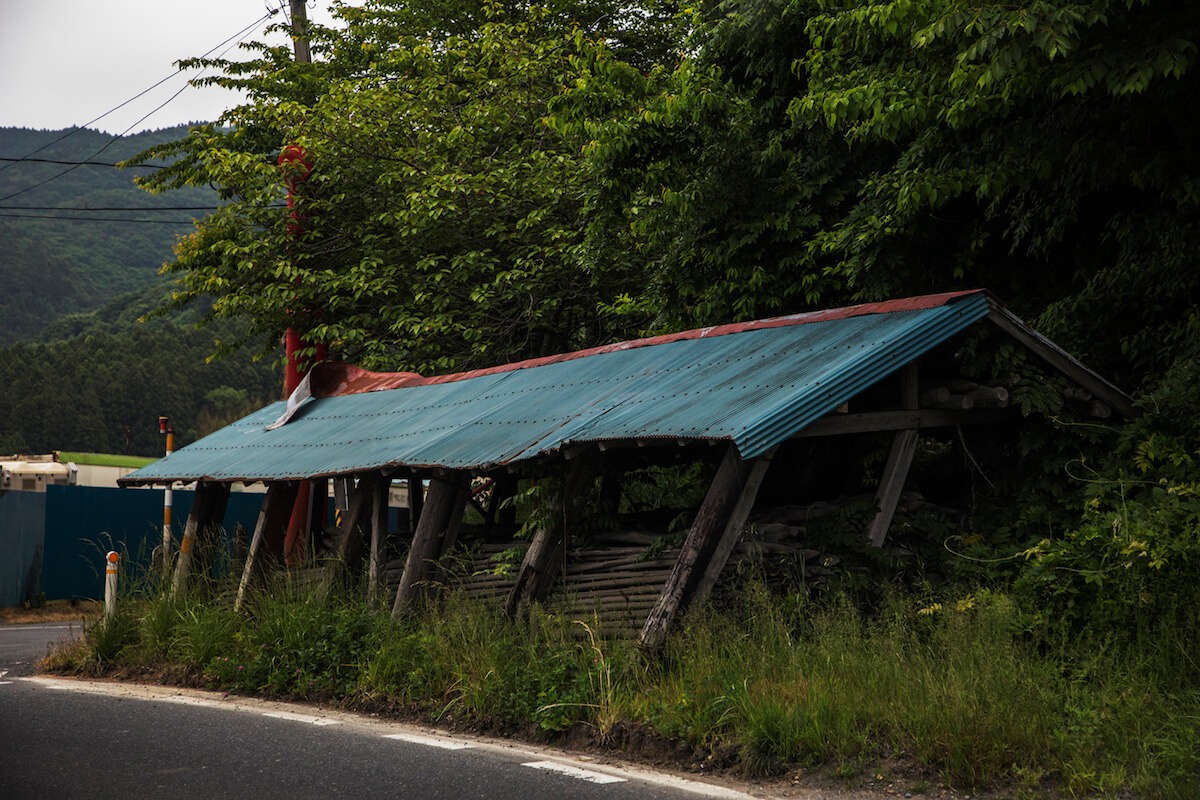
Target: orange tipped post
x=111 y=568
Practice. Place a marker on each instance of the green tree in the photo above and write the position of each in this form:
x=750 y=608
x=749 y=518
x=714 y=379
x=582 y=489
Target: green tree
x=809 y=152
x=441 y=223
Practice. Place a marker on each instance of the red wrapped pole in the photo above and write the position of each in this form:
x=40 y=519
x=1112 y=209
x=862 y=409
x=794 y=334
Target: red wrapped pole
x=295 y=161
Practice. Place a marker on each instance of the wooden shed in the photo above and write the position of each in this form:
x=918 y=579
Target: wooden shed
x=734 y=396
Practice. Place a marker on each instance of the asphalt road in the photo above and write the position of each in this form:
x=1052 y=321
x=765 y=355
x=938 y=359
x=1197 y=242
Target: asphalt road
x=64 y=739
x=22 y=646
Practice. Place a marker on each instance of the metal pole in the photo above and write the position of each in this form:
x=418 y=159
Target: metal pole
x=110 y=584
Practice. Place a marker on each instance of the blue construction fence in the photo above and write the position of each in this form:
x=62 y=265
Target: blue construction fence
x=54 y=543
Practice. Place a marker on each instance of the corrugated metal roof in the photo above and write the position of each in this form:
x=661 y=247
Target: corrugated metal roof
x=755 y=384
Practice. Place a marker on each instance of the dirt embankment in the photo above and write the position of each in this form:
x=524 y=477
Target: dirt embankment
x=52 y=611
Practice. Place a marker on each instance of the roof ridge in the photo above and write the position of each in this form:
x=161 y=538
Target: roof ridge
x=338 y=378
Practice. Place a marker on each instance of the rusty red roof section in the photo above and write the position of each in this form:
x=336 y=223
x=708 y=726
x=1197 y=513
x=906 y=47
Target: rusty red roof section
x=334 y=378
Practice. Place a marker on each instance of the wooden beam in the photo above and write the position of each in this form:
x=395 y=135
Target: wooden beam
x=269 y=531
x=884 y=421
x=184 y=561
x=416 y=502
x=702 y=539
x=437 y=516
x=892 y=484
x=1061 y=360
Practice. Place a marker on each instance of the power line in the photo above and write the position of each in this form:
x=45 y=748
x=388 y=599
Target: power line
x=103 y=219
x=237 y=36
x=28 y=160
x=115 y=208
x=77 y=129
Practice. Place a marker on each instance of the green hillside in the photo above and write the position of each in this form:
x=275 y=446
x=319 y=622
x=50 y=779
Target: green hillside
x=103 y=389
x=50 y=265
x=77 y=369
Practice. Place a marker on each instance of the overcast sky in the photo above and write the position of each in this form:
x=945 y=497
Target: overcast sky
x=66 y=62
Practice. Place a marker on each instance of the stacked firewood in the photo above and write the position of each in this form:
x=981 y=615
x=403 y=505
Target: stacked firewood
x=961 y=395
x=615 y=578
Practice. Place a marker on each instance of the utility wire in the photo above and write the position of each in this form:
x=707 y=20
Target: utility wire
x=115 y=208
x=28 y=160
x=84 y=126
x=103 y=219
x=239 y=36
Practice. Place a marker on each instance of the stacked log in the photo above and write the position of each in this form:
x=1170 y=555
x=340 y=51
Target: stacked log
x=959 y=394
x=613 y=579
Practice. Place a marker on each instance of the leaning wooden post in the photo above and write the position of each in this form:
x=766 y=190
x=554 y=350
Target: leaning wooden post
x=895 y=471
x=379 y=531
x=207 y=503
x=543 y=558
x=441 y=507
x=347 y=554
x=733 y=528
x=730 y=491
x=267 y=540
x=208 y=532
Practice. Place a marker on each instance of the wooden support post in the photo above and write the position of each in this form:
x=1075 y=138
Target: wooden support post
x=441 y=508
x=209 y=531
x=347 y=554
x=892 y=484
x=184 y=562
x=376 y=582
x=416 y=503
x=895 y=471
x=269 y=532
x=733 y=528
x=208 y=510
x=730 y=491
x=543 y=559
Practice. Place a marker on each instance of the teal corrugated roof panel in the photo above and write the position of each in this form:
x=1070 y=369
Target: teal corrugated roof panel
x=755 y=385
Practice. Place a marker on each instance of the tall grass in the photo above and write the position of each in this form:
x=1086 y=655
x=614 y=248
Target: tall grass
x=961 y=685
x=788 y=681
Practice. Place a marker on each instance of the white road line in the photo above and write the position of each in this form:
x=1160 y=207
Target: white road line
x=445 y=744
x=574 y=772
x=311 y=720
x=195 y=701
x=250 y=705
x=15 y=628
x=82 y=688
x=5 y=683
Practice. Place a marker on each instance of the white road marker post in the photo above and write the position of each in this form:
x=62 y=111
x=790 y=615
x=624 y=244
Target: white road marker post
x=110 y=584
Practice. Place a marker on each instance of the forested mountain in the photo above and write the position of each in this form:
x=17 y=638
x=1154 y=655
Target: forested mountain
x=77 y=369
x=59 y=252
x=102 y=388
